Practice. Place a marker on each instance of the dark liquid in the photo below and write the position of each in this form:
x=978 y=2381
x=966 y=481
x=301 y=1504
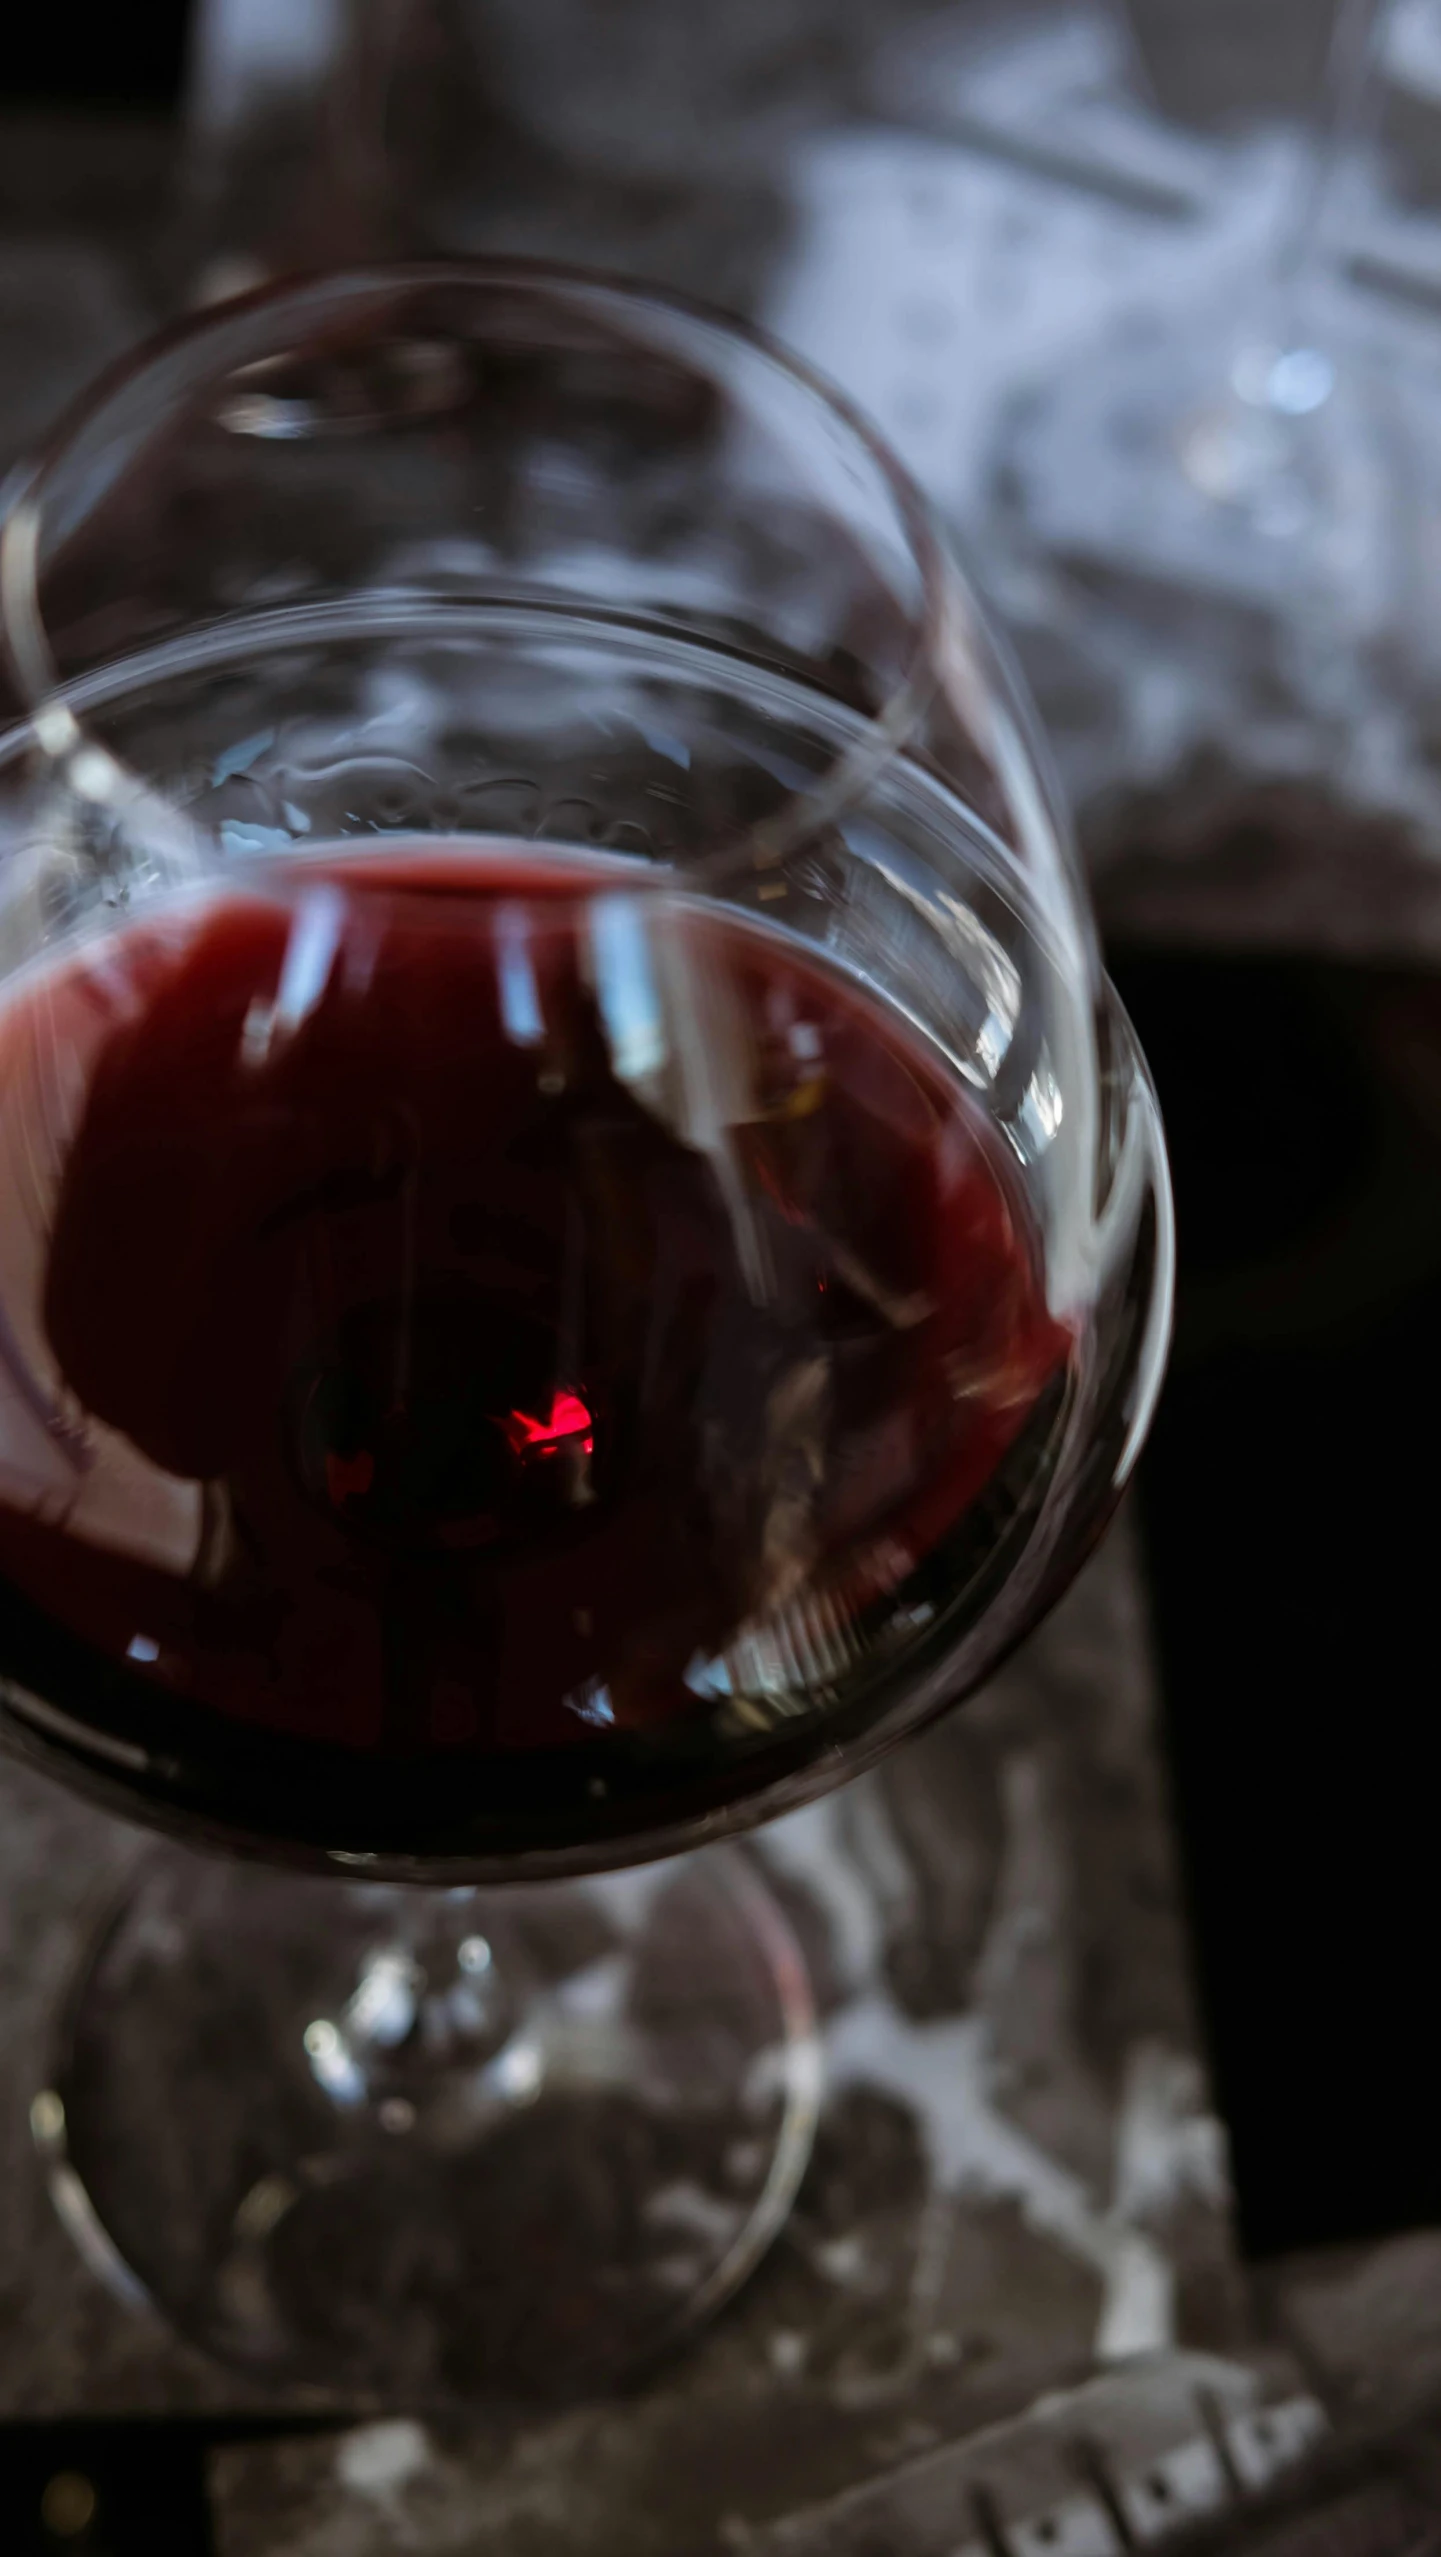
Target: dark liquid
x=487 y=1347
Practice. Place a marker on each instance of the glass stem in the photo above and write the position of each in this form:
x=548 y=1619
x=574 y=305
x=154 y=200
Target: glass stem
x=1279 y=366
x=1245 y=449
x=284 y=165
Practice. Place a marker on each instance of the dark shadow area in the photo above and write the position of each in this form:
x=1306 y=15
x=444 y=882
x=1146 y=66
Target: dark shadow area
x=119 y=57
x=1289 y=1509
x=114 y=2489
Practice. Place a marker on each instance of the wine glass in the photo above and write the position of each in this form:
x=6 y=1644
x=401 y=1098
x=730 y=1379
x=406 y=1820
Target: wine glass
x=586 y=1247
x=1200 y=443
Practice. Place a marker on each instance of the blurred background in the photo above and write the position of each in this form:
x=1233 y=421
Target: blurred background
x=1148 y=295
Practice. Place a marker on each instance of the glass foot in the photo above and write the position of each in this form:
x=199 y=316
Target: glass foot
x=423 y=2147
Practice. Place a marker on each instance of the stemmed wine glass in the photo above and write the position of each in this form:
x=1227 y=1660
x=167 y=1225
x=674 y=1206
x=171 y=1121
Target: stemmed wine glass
x=1200 y=442
x=585 y=1247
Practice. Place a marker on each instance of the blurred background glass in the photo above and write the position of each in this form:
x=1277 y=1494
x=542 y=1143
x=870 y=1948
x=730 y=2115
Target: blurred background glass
x=1055 y=250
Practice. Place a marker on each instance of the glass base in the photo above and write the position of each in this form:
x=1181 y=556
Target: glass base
x=422 y=2148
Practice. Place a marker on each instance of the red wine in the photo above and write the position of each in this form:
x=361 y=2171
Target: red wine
x=484 y=1337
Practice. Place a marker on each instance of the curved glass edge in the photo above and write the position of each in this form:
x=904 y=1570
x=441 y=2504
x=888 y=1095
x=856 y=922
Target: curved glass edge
x=962 y=703
x=48 y=501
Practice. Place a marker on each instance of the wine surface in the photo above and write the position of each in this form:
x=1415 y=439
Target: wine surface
x=477 y=1317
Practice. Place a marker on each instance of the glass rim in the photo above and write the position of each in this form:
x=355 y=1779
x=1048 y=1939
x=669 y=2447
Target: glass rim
x=26 y=639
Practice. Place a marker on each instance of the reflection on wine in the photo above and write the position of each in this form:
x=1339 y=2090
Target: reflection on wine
x=489 y=1340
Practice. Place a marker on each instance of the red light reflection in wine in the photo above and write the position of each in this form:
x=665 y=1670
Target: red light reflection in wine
x=567 y=1419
